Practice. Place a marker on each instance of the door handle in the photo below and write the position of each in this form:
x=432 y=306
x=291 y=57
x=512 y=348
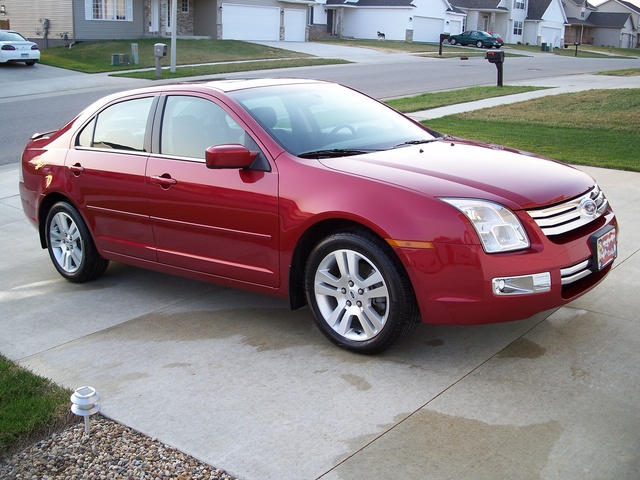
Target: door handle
x=164 y=180
x=76 y=169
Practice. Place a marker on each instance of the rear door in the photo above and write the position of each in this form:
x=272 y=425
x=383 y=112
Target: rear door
x=220 y=222
x=106 y=176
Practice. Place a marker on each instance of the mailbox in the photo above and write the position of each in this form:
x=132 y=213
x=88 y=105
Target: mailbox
x=159 y=50
x=496 y=56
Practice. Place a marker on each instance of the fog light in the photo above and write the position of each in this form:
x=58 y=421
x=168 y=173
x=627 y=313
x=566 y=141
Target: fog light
x=522 y=285
x=84 y=402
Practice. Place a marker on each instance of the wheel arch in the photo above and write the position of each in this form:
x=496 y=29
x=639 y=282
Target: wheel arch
x=309 y=239
x=43 y=211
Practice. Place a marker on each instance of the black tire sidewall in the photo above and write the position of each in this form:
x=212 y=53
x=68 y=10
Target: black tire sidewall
x=400 y=301
x=91 y=264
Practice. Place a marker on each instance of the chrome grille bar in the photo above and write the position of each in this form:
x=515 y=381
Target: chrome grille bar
x=570 y=215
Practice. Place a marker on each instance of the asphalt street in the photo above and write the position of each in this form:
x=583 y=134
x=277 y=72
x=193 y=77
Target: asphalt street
x=241 y=382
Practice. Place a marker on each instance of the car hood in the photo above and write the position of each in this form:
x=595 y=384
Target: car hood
x=459 y=168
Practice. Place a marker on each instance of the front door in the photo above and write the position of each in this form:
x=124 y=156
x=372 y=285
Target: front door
x=221 y=222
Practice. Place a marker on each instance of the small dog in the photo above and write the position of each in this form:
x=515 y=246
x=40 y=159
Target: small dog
x=381 y=36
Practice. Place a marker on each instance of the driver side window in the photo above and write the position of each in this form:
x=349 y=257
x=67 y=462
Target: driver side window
x=190 y=125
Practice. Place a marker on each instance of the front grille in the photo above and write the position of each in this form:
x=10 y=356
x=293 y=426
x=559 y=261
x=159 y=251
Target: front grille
x=576 y=272
x=570 y=215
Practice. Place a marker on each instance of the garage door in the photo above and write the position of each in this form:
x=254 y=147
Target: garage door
x=552 y=36
x=455 y=27
x=243 y=22
x=427 y=29
x=295 y=25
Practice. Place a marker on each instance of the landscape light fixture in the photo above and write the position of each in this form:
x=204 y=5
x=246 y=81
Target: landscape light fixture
x=84 y=402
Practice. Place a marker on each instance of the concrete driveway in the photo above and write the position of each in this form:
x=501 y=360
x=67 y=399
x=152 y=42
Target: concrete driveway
x=240 y=382
x=244 y=384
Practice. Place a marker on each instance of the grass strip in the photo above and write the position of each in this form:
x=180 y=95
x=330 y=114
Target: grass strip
x=452 y=97
x=233 y=67
x=30 y=407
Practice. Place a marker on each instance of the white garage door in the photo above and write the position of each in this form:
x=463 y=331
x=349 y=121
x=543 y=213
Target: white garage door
x=427 y=29
x=455 y=27
x=243 y=22
x=552 y=36
x=295 y=24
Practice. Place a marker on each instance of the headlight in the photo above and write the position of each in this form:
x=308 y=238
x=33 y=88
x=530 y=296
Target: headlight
x=497 y=226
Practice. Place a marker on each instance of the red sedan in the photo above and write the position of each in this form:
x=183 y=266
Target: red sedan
x=311 y=191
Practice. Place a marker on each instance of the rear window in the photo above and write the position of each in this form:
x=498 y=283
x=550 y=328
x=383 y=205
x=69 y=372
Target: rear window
x=11 y=37
x=121 y=126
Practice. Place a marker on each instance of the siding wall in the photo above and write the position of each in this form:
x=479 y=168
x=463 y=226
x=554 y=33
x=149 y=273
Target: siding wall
x=365 y=23
x=24 y=17
x=108 y=29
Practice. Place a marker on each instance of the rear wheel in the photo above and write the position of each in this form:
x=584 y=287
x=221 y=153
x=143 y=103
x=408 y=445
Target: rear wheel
x=70 y=245
x=479 y=44
x=360 y=295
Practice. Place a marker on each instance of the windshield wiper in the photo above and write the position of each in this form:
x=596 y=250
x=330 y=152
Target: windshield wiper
x=418 y=142
x=333 y=152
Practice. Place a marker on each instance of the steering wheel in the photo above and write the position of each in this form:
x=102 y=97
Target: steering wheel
x=336 y=129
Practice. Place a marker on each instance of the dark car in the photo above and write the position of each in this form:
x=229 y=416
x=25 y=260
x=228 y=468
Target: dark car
x=312 y=191
x=478 y=38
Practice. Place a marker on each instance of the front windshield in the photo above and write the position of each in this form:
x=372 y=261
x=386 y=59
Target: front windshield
x=314 y=120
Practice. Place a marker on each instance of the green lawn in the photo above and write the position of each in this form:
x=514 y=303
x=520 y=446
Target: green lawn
x=94 y=57
x=597 y=128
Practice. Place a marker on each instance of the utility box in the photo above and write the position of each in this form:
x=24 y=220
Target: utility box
x=159 y=50
x=496 y=56
x=119 y=59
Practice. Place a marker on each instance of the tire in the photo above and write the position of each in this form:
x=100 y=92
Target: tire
x=70 y=245
x=359 y=293
x=452 y=41
x=479 y=44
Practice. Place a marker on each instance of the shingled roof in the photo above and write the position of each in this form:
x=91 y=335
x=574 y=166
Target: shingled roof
x=371 y=3
x=537 y=8
x=477 y=4
x=608 y=20
x=602 y=20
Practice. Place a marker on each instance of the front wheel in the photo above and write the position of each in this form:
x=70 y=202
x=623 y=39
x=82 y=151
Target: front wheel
x=360 y=296
x=452 y=41
x=70 y=245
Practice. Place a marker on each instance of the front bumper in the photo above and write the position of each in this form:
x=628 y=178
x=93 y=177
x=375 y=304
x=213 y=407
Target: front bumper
x=461 y=284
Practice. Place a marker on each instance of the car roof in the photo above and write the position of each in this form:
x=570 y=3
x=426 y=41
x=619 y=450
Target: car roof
x=223 y=85
x=230 y=85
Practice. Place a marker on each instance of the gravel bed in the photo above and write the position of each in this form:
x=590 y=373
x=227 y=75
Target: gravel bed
x=111 y=451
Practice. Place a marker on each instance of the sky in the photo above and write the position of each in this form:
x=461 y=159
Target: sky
x=595 y=3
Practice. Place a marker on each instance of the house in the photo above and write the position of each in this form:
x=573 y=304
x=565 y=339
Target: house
x=628 y=39
x=88 y=20
x=613 y=23
x=517 y=21
x=410 y=20
x=545 y=23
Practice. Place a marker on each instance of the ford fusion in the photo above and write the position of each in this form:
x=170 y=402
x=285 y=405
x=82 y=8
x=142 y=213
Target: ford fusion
x=311 y=191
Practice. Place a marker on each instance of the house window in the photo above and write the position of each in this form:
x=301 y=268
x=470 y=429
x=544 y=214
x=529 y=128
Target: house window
x=519 y=4
x=184 y=7
x=108 y=10
x=517 y=28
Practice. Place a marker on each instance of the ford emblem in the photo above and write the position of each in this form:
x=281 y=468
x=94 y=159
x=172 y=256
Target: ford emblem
x=588 y=208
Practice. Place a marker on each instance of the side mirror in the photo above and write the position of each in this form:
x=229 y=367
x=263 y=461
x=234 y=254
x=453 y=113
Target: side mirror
x=229 y=156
